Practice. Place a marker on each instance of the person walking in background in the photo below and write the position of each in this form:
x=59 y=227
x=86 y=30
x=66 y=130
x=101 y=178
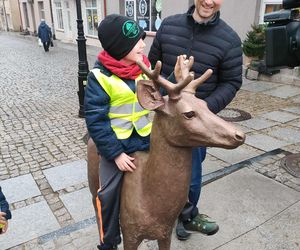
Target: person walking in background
x=45 y=34
x=5 y=213
x=201 y=33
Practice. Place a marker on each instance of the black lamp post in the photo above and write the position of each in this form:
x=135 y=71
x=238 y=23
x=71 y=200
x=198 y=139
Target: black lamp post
x=83 y=67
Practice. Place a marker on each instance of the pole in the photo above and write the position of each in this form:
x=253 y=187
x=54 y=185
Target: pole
x=7 y=28
x=83 y=68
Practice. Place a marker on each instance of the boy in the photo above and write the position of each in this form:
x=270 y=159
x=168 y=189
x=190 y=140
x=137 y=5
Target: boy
x=115 y=121
x=5 y=213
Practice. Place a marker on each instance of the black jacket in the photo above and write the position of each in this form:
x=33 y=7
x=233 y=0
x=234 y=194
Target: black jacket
x=214 y=45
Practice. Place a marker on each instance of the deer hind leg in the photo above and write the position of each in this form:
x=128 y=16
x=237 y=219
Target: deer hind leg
x=165 y=244
x=93 y=160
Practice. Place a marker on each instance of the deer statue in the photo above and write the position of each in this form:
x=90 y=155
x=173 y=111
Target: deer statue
x=154 y=194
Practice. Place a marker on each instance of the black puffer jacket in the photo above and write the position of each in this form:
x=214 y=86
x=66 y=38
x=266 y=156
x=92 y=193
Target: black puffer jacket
x=214 y=45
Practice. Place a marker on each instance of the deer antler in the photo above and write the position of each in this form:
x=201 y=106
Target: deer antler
x=184 y=65
x=172 y=89
x=193 y=85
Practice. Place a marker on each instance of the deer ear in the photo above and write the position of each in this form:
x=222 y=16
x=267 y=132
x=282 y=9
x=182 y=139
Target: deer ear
x=148 y=95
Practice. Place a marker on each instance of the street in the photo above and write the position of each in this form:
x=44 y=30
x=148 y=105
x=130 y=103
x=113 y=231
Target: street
x=43 y=159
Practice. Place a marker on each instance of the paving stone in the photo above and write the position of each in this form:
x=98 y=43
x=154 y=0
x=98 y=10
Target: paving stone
x=264 y=142
x=79 y=204
x=287 y=134
x=258 y=86
x=251 y=74
x=295 y=109
x=212 y=164
x=285 y=91
x=280 y=116
x=296 y=99
x=28 y=223
x=243 y=128
x=296 y=124
x=258 y=123
x=66 y=175
x=20 y=188
x=234 y=155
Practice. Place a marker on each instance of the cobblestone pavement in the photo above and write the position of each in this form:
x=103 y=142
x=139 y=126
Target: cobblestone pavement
x=40 y=130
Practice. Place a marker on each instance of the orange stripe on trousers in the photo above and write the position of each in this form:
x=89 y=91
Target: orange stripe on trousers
x=98 y=203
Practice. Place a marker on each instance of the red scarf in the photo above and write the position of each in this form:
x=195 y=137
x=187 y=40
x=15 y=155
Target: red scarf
x=120 y=69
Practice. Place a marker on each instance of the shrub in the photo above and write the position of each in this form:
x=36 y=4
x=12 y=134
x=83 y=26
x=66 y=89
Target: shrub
x=255 y=43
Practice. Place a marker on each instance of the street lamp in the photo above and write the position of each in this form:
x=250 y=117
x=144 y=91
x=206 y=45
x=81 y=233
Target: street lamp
x=83 y=67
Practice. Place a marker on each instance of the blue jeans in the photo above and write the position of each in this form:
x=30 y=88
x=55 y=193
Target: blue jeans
x=196 y=179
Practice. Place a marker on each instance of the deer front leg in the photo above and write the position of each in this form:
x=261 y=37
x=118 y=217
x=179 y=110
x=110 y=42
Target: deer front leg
x=130 y=242
x=165 y=244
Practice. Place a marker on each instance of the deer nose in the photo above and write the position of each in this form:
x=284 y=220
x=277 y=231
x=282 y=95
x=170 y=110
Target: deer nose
x=240 y=136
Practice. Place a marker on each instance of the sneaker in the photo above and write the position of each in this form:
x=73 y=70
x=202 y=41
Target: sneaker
x=180 y=231
x=203 y=224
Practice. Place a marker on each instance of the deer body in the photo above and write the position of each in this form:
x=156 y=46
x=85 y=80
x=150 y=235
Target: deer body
x=155 y=193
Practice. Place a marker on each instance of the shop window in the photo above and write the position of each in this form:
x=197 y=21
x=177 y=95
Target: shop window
x=59 y=15
x=146 y=12
x=92 y=17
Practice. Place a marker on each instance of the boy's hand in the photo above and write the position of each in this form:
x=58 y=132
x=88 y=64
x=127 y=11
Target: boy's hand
x=3 y=222
x=124 y=162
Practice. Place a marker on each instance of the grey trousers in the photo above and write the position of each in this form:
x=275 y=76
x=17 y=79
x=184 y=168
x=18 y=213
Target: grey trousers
x=109 y=202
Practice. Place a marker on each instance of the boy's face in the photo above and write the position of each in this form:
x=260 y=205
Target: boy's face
x=205 y=9
x=135 y=54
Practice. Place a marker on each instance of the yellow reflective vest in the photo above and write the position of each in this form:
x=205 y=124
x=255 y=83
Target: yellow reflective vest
x=125 y=111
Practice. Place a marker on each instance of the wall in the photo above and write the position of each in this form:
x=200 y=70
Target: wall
x=15 y=15
x=241 y=14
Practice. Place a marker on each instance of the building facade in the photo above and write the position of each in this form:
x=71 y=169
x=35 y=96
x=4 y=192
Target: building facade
x=32 y=12
x=10 y=17
x=61 y=15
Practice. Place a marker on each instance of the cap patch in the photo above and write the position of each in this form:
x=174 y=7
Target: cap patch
x=130 y=29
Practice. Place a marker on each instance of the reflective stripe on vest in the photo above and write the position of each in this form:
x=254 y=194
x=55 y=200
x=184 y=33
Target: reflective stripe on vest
x=125 y=111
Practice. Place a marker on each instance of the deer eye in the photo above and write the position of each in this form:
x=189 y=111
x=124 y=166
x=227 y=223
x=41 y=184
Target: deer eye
x=189 y=115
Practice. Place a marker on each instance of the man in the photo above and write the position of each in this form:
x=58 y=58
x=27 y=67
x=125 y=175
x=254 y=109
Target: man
x=201 y=33
x=45 y=34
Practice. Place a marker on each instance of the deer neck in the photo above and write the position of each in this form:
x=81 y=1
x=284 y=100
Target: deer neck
x=168 y=166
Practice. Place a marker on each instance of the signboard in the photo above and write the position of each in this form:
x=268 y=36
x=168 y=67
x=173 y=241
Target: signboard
x=143 y=10
x=147 y=13
x=130 y=8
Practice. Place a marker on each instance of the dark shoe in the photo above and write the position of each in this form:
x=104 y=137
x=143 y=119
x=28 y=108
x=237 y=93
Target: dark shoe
x=203 y=224
x=180 y=231
x=112 y=248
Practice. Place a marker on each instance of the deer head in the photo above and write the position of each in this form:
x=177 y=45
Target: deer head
x=183 y=119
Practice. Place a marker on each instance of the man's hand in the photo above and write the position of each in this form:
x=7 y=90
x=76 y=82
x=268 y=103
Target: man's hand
x=183 y=67
x=3 y=222
x=124 y=162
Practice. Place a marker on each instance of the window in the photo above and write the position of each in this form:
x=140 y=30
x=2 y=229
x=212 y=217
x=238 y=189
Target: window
x=146 y=12
x=41 y=10
x=92 y=17
x=269 y=6
x=68 y=15
x=59 y=15
x=25 y=15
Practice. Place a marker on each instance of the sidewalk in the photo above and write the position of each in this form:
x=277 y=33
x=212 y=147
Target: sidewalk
x=43 y=167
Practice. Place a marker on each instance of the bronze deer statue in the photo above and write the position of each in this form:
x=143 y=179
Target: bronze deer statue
x=154 y=194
